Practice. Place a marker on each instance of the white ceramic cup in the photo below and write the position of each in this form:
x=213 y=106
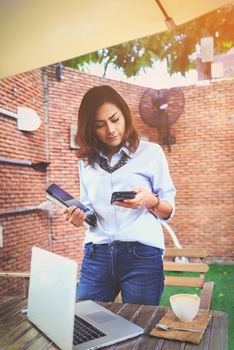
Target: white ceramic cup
x=185 y=306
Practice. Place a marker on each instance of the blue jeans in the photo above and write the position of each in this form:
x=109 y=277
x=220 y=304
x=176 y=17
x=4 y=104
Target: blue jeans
x=133 y=268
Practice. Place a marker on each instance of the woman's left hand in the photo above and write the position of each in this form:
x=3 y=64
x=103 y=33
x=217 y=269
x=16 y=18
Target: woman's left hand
x=142 y=198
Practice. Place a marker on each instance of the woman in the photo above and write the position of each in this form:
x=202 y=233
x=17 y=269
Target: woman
x=124 y=251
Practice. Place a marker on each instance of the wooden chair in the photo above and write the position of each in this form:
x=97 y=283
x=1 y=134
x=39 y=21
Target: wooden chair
x=197 y=268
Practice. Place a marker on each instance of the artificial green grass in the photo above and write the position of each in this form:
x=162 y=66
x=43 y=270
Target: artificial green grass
x=223 y=294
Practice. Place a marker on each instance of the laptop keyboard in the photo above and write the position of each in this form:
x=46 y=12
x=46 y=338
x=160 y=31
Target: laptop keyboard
x=84 y=331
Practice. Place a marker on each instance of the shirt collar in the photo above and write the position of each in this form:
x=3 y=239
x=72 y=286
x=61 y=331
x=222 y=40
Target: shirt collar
x=123 y=149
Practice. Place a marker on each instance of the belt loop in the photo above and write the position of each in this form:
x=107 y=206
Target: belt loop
x=130 y=246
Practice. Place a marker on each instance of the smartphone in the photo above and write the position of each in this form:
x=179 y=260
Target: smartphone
x=120 y=196
x=63 y=199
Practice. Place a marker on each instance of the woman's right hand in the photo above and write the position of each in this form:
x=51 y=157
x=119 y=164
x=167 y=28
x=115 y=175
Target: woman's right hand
x=74 y=215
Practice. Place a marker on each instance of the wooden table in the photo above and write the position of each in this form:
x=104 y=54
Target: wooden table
x=16 y=332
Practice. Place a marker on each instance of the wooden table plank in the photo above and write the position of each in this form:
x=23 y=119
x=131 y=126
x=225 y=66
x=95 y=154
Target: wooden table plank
x=149 y=317
x=220 y=326
x=15 y=332
x=4 y=299
x=8 y=306
x=143 y=317
x=11 y=317
x=24 y=339
x=40 y=343
x=153 y=343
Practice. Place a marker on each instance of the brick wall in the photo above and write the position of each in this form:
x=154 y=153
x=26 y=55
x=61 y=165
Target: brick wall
x=201 y=164
x=21 y=186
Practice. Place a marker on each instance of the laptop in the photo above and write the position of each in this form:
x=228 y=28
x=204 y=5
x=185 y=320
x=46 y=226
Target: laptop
x=53 y=309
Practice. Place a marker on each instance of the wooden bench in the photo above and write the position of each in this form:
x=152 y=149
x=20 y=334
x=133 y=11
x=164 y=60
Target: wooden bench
x=196 y=267
x=24 y=275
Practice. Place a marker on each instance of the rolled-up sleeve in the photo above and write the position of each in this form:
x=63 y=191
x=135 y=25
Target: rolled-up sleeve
x=162 y=182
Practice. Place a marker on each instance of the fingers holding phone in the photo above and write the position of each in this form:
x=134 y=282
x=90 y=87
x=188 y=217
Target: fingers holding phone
x=140 y=198
x=74 y=215
x=125 y=199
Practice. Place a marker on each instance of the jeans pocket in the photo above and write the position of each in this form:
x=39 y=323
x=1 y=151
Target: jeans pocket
x=145 y=252
x=88 y=250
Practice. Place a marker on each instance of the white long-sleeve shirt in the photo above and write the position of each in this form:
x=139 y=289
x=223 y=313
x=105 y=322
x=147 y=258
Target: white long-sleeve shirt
x=147 y=168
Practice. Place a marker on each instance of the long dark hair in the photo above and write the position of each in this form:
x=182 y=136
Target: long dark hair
x=90 y=146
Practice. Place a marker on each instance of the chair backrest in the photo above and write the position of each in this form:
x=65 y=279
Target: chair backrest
x=196 y=268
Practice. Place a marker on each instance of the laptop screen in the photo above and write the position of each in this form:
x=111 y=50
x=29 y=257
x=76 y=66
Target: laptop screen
x=52 y=296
